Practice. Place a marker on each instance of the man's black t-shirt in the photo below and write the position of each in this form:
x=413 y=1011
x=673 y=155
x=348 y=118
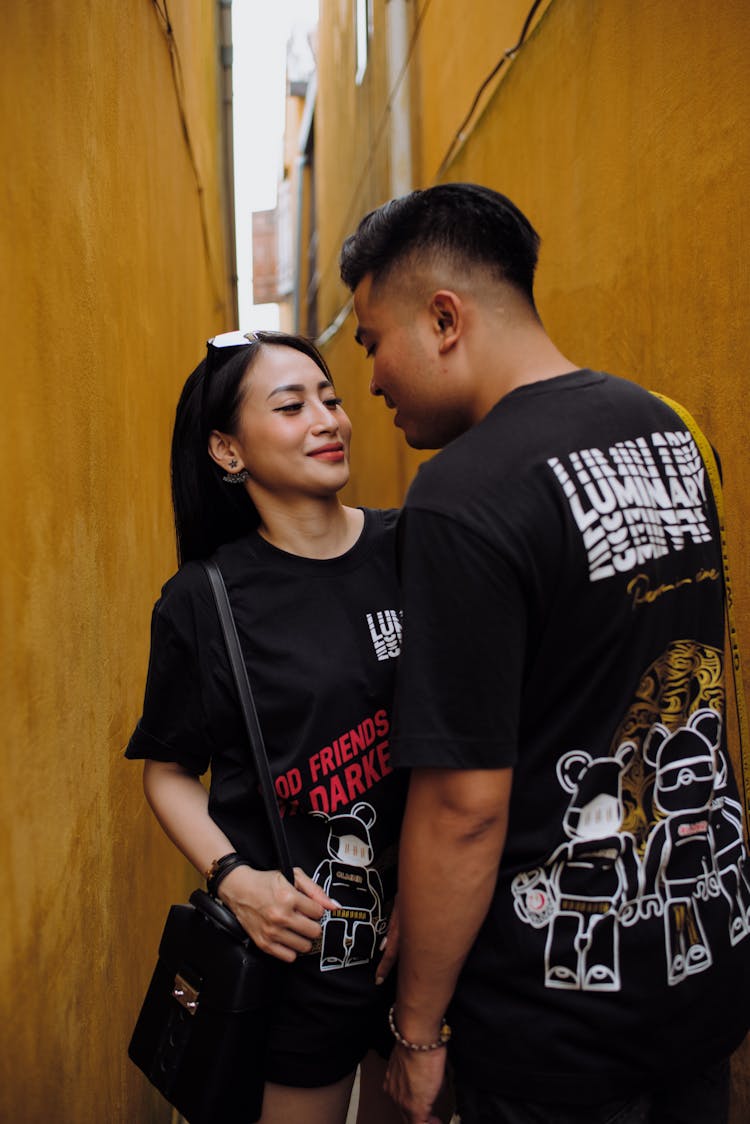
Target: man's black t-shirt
x=320 y=640
x=563 y=616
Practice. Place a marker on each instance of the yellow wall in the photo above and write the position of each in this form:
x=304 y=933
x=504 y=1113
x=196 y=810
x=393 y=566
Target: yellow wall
x=352 y=172
x=454 y=48
x=351 y=160
x=622 y=129
x=109 y=293
x=293 y=110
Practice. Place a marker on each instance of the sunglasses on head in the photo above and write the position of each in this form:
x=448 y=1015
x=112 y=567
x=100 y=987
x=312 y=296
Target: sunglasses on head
x=219 y=349
x=232 y=339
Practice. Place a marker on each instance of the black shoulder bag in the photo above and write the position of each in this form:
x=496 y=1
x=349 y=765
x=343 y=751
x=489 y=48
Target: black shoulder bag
x=201 y=1035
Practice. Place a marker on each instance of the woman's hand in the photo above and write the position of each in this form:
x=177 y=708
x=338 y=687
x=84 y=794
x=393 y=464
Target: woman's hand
x=283 y=920
x=389 y=944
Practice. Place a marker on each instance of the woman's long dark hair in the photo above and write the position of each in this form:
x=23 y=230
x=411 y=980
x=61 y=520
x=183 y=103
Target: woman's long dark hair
x=208 y=512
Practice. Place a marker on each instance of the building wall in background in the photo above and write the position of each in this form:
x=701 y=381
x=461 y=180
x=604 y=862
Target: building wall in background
x=115 y=271
x=621 y=128
x=266 y=227
x=451 y=50
x=353 y=175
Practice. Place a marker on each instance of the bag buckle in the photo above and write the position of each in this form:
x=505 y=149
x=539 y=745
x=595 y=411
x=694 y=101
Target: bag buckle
x=185 y=994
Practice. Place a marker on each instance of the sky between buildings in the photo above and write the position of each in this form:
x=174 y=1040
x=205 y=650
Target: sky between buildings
x=260 y=34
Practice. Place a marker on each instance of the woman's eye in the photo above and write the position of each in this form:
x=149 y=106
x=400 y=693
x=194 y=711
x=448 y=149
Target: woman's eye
x=333 y=403
x=290 y=408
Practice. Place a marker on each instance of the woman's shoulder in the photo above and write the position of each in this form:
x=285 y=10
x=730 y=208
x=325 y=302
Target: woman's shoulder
x=378 y=543
x=382 y=519
x=187 y=589
x=190 y=582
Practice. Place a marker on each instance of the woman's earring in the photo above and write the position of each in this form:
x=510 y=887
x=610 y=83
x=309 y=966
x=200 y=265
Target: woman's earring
x=236 y=477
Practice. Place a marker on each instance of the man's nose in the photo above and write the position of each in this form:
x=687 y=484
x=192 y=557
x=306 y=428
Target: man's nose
x=375 y=389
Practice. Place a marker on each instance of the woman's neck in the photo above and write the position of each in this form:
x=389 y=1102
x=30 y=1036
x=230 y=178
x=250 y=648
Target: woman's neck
x=324 y=529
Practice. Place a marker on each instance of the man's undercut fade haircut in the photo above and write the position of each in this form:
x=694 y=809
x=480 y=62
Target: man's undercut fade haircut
x=466 y=223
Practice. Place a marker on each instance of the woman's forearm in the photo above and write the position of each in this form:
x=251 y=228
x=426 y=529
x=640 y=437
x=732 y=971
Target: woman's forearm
x=180 y=803
x=282 y=919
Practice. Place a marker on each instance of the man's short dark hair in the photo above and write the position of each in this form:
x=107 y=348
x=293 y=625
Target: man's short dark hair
x=463 y=222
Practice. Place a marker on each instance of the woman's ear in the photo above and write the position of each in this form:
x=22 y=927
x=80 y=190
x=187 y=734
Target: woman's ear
x=222 y=449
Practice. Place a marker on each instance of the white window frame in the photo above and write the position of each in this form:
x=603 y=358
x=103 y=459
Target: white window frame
x=362 y=32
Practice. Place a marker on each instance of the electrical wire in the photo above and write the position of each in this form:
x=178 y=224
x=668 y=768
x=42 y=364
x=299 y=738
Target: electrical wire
x=334 y=326
x=380 y=129
x=179 y=86
x=506 y=56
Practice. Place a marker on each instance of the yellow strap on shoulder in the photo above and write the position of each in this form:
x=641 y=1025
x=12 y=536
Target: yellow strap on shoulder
x=709 y=459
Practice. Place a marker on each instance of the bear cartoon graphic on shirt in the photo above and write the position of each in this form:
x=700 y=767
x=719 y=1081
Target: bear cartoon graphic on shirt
x=587 y=880
x=350 y=933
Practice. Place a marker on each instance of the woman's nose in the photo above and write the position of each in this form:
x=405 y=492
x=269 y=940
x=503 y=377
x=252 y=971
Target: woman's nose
x=326 y=419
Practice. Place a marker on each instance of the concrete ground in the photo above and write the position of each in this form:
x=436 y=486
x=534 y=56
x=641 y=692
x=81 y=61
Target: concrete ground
x=354 y=1103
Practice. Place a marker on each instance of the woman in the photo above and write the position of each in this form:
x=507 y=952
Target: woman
x=259 y=453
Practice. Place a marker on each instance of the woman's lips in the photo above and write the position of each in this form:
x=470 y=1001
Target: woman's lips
x=332 y=453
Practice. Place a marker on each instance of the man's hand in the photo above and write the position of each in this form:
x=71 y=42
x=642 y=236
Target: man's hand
x=451 y=842
x=414 y=1079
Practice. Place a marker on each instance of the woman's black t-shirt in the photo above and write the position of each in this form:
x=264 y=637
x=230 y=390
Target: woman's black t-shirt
x=320 y=640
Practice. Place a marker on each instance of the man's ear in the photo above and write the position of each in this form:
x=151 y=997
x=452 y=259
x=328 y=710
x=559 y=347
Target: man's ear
x=222 y=449
x=446 y=312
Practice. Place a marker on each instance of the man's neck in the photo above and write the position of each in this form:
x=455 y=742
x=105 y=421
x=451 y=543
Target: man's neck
x=519 y=358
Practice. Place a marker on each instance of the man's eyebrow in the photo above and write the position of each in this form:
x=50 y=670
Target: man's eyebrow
x=298 y=388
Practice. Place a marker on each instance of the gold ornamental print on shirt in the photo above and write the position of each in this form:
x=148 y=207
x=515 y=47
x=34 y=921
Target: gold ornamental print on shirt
x=637 y=500
x=653 y=835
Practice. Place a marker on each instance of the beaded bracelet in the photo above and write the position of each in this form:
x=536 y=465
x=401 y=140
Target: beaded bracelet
x=445 y=1033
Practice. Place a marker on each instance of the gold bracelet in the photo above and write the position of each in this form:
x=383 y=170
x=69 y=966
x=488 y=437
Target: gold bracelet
x=445 y=1033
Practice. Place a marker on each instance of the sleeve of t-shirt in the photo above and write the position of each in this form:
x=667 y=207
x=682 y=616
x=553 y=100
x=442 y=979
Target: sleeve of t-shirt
x=464 y=628
x=172 y=727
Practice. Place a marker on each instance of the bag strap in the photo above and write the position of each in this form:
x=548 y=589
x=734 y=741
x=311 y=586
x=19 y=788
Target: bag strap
x=250 y=716
x=709 y=459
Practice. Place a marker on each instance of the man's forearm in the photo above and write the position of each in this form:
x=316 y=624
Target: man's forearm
x=452 y=840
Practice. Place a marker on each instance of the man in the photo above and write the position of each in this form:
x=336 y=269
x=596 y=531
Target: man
x=573 y=887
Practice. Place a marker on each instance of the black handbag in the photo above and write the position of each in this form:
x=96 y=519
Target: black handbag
x=201 y=1035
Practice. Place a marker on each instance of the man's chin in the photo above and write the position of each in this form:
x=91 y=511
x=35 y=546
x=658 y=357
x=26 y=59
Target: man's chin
x=416 y=440
x=421 y=437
